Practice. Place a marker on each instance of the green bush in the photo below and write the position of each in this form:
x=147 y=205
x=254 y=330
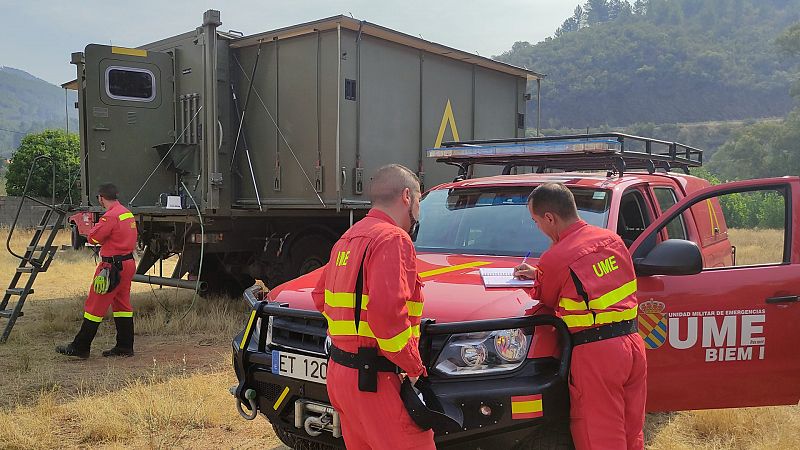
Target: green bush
x=63 y=148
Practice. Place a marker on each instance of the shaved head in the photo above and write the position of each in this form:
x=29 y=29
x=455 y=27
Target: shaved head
x=388 y=183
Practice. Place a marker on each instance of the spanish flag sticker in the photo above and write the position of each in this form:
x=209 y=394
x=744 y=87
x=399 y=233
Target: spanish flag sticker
x=526 y=407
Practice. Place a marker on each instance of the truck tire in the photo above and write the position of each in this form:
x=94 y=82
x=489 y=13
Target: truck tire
x=309 y=253
x=76 y=240
x=222 y=283
x=554 y=436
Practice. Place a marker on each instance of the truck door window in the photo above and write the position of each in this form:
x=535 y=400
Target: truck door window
x=676 y=228
x=130 y=83
x=633 y=217
x=743 y=228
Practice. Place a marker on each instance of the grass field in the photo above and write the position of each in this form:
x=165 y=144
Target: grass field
x=174 y=393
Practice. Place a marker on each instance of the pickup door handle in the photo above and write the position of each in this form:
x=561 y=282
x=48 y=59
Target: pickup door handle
x=784 y=299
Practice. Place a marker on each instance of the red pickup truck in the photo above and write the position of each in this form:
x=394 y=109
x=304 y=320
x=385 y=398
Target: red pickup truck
x=717 y=305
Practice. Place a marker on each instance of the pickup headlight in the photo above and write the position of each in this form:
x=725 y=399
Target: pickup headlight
x=483 y=352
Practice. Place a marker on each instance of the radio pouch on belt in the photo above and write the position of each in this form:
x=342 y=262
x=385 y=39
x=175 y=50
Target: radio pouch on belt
x=367 y=356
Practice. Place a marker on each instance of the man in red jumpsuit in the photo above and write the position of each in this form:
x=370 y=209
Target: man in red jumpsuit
x=587 y=277
x=116 y=233
x=371 y=296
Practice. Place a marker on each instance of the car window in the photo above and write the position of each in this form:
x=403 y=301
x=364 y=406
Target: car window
x=633 y=216
x=492 y=221
x=743 y=228
x=665 y=196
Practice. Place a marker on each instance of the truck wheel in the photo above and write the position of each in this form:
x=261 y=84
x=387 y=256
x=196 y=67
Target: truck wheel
x=76 y=240
x=555 y=436
x=223 y=283
x=298 y=443
x=308 y=254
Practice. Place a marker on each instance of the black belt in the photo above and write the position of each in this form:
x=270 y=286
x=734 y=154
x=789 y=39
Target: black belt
x=118 y=258
x=603 y=332
x=358 y=361
x=368 y=363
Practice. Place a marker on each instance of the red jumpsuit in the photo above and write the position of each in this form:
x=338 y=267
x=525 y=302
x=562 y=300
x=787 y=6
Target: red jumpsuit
x=116 y=233
x=608 y=378
x=390 y=317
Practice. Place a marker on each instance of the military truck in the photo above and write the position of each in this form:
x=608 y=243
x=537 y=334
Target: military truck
x=255 y=150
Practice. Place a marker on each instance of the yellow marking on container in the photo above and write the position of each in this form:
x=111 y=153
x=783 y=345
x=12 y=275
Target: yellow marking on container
x=247 y=330
x=447 y=118
x=281 y=398
x=128 y=51
x=442 y=270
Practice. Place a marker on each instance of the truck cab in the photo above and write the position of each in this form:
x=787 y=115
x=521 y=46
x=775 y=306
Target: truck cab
x=714 y=312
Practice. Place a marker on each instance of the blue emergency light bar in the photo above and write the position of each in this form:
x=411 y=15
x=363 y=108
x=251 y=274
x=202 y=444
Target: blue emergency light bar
x=542 y=148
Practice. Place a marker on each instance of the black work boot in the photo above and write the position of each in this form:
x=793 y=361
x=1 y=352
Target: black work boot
x=124 y=345
x=82 y=343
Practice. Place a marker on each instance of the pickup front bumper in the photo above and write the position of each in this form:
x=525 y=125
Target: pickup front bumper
x=496 y=407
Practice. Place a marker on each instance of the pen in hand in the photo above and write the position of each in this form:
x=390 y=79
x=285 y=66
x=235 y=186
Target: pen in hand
x=526 y=257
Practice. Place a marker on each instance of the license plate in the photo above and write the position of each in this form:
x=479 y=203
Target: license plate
x=301 y=367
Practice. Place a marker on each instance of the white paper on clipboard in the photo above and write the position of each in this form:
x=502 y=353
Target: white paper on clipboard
x=502 y=277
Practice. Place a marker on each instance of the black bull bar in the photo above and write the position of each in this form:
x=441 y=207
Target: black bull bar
x=428 y=330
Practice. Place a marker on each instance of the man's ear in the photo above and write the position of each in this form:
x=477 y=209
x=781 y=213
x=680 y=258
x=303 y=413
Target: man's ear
x=407 y=196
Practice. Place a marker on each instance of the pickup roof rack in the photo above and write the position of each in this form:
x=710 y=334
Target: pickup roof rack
x=614 y=152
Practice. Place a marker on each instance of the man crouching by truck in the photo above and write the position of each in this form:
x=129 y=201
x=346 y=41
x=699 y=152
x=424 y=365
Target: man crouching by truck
x=587 y=276
x=371 y=296
x=116 y=233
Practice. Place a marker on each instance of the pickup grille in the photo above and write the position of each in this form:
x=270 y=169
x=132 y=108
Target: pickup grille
x=300 y=334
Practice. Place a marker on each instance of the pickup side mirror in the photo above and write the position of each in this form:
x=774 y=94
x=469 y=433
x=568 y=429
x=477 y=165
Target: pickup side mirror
x=671 y=257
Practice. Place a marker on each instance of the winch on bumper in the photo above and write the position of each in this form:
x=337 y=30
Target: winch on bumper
x=280 y=359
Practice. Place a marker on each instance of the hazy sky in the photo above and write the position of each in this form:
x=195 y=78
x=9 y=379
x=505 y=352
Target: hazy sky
x=39 y=35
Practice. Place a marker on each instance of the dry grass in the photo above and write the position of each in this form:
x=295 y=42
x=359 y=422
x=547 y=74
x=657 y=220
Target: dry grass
x=754 y=246
x=174 y=393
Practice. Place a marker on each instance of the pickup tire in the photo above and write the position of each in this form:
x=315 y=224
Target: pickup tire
x=298 y=443
x=554 y=436
x=76 y=240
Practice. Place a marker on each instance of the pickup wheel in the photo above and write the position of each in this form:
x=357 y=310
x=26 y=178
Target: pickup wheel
x=76 y=240
x=298 y=443
x=555 y=436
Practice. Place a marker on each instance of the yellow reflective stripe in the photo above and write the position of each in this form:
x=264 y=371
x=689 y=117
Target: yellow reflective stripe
x=578 y=320
x=92 y=317
x=415 y=331
x=94 y=241
x=123 y=313
x=571 y=305
x=127 y=215
x=616 y=316
x=396 y=343
x=442 y=270
x=344 y=299
x=586 y=320
x=247 y=330
x=128 y=51
x=280 y=399
x=611 y=298
x=348 y=328
x=414 y=308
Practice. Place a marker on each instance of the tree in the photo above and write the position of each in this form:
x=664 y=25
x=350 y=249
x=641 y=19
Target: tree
x=640 y=7
x=571 y=24
x=63 y=148
x=597 y=11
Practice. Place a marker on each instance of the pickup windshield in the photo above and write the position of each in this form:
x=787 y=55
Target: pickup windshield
x=494 y=221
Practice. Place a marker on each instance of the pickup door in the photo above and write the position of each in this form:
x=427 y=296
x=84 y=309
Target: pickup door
x=720 y=337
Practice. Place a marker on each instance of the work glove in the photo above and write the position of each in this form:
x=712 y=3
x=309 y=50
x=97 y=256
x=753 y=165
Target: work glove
x=101 y=282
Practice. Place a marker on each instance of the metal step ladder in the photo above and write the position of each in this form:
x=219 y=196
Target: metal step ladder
x=36 y=259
